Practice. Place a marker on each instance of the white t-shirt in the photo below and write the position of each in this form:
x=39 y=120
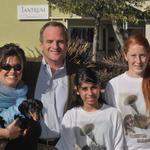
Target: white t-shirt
x=125 y=93
x=99 y=130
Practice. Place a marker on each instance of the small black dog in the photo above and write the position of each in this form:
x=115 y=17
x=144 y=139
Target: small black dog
x=31 y=112
x=28 y=121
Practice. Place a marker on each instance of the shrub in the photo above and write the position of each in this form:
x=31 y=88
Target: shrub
x=80 y=52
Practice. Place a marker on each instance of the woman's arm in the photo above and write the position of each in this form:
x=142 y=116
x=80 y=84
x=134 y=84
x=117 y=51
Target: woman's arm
x=11 y=131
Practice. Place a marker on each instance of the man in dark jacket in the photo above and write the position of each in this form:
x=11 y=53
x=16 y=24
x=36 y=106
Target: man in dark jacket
x=54 y=81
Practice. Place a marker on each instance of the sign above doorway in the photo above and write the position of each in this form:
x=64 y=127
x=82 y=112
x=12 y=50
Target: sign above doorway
x=32 y=12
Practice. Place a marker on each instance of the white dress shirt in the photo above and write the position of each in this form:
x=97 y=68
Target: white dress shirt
x=52 y=90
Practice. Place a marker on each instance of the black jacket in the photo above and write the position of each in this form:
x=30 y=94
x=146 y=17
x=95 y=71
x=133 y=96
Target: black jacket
x=30 y=77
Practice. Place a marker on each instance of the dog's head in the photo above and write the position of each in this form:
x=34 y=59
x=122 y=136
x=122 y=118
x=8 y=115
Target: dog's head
x=31 y=109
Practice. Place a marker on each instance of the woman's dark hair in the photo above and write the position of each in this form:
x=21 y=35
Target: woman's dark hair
x=86 y=74
x=12 y=49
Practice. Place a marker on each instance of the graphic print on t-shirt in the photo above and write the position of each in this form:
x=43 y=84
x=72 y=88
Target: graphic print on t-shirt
x=85 y=133
x=135 y=124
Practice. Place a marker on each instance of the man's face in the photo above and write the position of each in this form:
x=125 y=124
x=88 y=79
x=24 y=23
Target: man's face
x=54 y=45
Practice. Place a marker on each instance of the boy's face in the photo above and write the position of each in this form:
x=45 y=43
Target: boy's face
x=89 y=93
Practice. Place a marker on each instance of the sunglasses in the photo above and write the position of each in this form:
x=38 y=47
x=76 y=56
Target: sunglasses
x=8 y=67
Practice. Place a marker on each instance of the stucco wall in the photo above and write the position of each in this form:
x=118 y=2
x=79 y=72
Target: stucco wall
x=24 y=33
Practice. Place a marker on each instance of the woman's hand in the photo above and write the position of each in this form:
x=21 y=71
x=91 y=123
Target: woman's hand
x=13 y=131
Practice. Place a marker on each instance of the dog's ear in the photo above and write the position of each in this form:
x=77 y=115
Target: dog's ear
x=23 y=107
x=39 y=105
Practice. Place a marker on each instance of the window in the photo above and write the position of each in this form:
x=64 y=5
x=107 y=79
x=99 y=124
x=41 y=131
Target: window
x=85 y=34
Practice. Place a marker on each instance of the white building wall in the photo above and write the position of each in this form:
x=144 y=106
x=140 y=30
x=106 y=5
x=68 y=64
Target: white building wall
x=147 y=32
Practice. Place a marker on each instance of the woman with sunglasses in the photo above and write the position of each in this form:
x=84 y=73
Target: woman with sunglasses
x=12 y=90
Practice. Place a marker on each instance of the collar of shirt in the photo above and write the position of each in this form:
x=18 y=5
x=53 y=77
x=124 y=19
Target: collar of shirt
x=60 y=71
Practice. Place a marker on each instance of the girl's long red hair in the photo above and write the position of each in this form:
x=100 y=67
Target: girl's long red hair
x=146 y=88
